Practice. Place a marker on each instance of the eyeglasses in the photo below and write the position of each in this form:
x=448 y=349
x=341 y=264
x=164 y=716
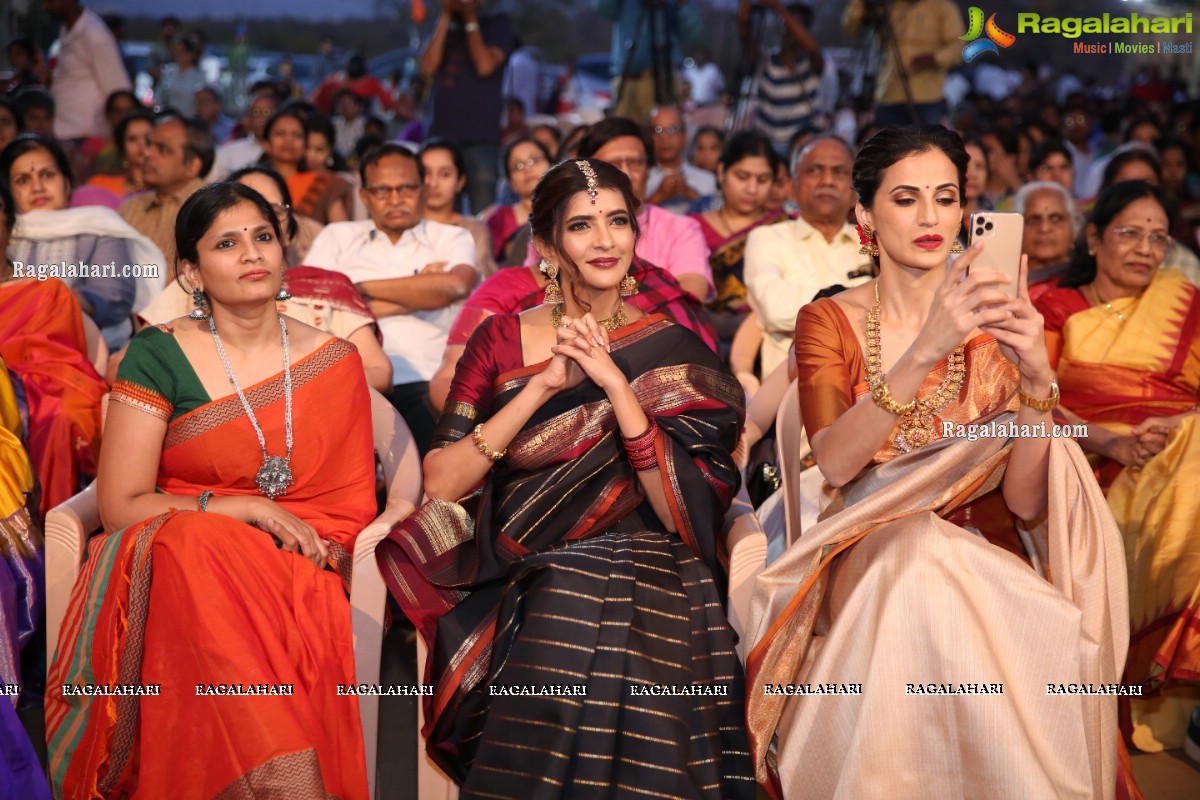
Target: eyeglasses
x=382 y=192
x=667 y=130
x=1158 y=241
x=533 y=162
x=623 y=164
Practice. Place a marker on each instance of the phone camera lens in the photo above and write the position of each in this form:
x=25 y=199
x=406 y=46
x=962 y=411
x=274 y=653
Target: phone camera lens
x=988 y=226
x=979 y=231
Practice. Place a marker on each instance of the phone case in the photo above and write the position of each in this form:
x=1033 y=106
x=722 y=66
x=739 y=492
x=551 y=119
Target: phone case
x=1001 y=232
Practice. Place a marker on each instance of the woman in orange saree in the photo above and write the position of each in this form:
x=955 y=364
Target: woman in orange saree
x=42 y=341
x=1125 y=336
x=951 y=581
x=205 y=589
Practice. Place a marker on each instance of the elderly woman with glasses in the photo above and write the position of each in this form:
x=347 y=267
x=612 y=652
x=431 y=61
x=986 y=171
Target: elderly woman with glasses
x=1050 y=224
x=525 y=161
x=1124 y=334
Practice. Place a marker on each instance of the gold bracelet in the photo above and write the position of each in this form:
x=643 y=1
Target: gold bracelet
x=882 y=396
x=482 y=446
x=1049 y=404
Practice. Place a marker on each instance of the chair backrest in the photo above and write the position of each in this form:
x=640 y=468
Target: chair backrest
x=791 y=448
x=397 y=451
x=97 y=348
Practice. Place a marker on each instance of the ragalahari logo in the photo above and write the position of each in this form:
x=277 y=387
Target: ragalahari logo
x=996 y=38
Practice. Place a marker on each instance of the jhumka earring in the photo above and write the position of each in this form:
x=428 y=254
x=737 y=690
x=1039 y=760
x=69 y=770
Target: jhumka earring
x=554 y=296
x=957 y=247
x=866 y=238
x=284 y=295
x=200 y=312
x=629 y=286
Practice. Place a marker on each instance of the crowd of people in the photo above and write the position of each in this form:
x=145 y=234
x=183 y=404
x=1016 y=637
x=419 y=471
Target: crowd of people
x=582 y=331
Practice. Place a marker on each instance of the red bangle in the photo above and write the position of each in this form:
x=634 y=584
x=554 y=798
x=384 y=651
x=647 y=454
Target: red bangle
x=640 y=449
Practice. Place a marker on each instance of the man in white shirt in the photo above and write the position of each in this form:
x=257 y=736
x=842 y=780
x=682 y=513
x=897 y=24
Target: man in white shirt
x=704 y=79
x=87 y=69
x=413 y=272
x=246 y=151
x=674 y=184
x=789 y=262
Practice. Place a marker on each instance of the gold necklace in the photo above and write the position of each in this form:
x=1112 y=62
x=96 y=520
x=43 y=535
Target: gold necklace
x=916 y=426
x=617 y=320
x=1091 y=288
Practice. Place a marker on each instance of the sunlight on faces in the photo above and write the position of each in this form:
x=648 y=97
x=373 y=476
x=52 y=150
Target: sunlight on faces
x=524 y=179
x=823 y=189
x=399 y=211
x=746 y=185
x=240 y=260
x=628 y=154
x=1047 y=237
x=597 y=243
x=442 y=181
x=37 y=184
x=917 y=197
x=1130 y=265
x=286 y=143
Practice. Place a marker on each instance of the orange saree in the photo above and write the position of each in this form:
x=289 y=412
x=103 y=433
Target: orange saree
x=1117 y=368
x=42 y=341
x=196 y=603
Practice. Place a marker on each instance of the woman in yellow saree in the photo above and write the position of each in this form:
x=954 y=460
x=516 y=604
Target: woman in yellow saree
x=1125 y=335
x=951 y=581
x=211 y=583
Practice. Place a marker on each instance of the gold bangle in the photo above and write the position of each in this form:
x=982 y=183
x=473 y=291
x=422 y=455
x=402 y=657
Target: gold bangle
x=882 y=396
x=482 y=446
x=1049 y=404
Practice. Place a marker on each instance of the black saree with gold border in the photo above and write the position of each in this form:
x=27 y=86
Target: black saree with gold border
x=557 y=574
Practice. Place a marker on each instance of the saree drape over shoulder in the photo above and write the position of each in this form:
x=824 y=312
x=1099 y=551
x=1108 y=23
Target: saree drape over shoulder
x=187 y=601
x=1117 y=373
x=909 y=588
x=562 y=574
x=42 y=341
x=728 y=260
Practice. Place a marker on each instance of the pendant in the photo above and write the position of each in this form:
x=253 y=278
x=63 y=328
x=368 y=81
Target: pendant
x=275 y=476
x=916 y=430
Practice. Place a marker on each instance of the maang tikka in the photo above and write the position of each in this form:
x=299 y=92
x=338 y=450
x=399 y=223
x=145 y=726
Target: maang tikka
x=593 y=185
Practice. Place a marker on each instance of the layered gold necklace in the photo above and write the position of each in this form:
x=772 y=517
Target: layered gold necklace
x=617 y=320
x=916 y=416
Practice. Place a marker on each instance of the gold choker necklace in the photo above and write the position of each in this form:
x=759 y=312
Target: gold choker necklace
x=617 y=320
x=916 y=425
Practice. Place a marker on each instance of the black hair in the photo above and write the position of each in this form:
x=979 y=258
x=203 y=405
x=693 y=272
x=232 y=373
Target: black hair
x=28 y=143
x=553 y=129
x=32 y=97
x=373 y=157
x=320 y=124
x=1142 y=120
x=1117 y=162
x=609 y=128
x=890 y=145
x=749 y=144
x=456 y=153
x=198 y=139
x=1009 y=142
x=23 y=43
x=289 y=112
x=508 y=151
x=7 y=208
x=1043 y=150
x=120 y=94
x=170 y=19
x=201 y=210
x=261 y=169
x=552 y=198
x=144 y=114
x=7 y=104
x=711 y=130
x=1111 y=201
x=356 y=66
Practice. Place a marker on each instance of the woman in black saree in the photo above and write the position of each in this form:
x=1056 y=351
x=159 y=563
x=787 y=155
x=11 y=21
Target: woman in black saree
x=587 y=552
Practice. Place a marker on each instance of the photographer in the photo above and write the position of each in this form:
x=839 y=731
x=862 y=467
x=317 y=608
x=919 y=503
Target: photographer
x=922 y=41
x=645 y=51
x=464 y=58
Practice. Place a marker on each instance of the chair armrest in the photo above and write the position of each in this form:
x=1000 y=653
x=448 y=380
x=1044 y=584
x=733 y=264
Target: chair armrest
x=67 y=527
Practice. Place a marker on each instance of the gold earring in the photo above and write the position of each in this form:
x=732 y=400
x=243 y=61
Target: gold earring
x=554 y=296
x=957 y=247
x=866 y=236
x=629 y=286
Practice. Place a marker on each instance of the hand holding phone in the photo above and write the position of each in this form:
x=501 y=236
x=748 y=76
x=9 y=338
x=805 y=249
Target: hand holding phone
x=1002 y=233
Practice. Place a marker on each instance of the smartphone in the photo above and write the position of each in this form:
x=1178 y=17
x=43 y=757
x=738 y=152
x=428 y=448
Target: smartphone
x=1001 y=232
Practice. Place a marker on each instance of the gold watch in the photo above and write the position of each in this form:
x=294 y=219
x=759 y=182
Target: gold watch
x=1048 y=404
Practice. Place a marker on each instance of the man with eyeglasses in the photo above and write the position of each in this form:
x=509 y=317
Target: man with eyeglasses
x=413 y=272
x=789 y=262
x=674 y=184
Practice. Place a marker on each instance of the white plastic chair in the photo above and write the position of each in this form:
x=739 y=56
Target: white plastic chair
x=69 y=524
x=97 y=348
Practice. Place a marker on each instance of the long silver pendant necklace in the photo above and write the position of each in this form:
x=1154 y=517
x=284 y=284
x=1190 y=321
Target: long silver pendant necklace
x=275 y=475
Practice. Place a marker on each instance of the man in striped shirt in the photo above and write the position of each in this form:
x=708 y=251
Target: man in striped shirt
x=788 y=83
